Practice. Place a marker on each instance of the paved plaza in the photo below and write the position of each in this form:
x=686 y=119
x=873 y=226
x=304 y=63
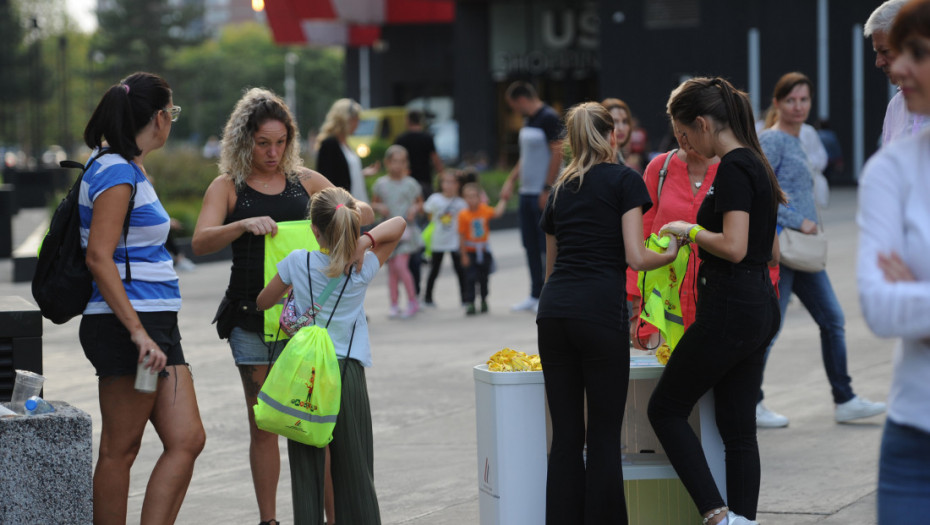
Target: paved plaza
x=423 y=401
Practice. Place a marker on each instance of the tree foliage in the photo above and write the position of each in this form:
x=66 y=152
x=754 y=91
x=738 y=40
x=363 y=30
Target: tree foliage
x=140 y=35
x=208 y=79
x=55 y=75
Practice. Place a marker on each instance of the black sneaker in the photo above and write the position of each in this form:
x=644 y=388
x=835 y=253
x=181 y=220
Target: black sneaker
x=484 y=307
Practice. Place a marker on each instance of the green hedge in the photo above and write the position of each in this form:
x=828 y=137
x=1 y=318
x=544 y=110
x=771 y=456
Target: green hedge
x=181 y=176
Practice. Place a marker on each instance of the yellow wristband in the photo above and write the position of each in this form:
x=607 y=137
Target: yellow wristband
x=692 y=234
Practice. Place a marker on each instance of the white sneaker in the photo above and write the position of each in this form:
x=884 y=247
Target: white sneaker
x=735 y=519
x=765 y=418
x=185 y=265
x=857 y=408
x=530 y=303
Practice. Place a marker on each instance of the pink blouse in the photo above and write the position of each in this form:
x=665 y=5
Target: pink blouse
x=677 y=202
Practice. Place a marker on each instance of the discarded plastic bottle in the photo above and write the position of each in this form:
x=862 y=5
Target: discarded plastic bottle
x=35 y=405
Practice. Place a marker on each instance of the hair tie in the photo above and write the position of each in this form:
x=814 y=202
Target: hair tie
x=126 y=87
x=340 y=205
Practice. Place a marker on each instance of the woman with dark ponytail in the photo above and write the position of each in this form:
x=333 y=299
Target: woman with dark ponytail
x=737 y=312
x=593 y=222
x=132 y=315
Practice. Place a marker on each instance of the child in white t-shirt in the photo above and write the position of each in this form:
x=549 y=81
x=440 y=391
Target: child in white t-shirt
x=443 y=209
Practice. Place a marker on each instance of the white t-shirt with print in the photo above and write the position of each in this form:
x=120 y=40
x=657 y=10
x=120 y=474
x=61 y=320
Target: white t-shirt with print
x=445 y=214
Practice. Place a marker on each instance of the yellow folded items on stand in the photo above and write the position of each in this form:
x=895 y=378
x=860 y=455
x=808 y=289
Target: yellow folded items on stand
x=660 y=291
x=509 y=360
x=292 y=235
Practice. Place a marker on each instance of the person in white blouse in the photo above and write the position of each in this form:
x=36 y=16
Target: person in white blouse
x=893 y=275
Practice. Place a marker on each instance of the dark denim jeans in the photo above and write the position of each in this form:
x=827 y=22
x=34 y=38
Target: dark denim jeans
x=581 y=357
x=534 y=240
x=737 y=316
x=816 y=294
x=904 y=475
x=476 y=274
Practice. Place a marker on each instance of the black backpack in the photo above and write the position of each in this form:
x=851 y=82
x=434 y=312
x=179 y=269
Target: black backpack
x=61 y=285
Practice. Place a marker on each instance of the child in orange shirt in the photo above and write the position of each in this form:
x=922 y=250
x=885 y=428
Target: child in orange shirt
x=476 y=254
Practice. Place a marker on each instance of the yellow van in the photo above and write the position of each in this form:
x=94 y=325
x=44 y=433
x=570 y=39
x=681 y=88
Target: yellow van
x=377 y=129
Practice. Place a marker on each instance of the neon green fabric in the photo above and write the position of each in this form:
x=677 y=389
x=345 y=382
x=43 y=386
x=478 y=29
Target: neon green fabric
x=427 y=237
x=292 y=235
x=659 y=288
x=301 y=397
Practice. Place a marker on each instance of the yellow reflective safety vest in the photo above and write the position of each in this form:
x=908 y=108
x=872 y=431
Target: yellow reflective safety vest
x=659 y=289
x=292 y=235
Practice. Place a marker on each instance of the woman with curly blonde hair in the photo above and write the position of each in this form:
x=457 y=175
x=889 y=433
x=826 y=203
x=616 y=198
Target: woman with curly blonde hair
x=261 y=182
x=335 y=159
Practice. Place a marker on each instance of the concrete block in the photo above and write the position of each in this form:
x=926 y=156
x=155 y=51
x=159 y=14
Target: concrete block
x=47 y=465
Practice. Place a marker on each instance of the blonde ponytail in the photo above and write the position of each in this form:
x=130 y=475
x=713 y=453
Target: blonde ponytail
x=588 y=126
x=335 y=215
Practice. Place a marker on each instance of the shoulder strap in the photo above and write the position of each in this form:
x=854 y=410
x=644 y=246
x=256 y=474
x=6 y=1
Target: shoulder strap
x=330 y=287
x=132 y=200
x=310 y=283
x=663 y=172
x=339 y=298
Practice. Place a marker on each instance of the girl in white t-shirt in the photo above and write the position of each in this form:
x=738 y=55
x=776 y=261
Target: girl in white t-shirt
x=443 y=209
x=345 y=253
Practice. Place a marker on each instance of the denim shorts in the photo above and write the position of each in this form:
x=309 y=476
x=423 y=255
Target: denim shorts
x=108 y=347
x=250 y=348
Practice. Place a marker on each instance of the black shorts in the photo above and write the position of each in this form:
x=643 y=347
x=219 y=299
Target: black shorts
x=107 y=344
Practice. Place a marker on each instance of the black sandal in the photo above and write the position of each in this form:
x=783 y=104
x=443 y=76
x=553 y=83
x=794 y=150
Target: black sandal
x=272 y=521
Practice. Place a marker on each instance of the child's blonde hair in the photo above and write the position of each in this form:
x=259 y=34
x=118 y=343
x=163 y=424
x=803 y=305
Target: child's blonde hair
x=335 y=215
x=395 y=149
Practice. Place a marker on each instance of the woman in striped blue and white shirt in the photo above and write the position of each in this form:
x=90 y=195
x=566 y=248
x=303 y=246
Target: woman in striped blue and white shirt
x=132 y=316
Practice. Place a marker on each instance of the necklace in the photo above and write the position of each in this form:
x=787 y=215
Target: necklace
x=697 y=184
x=264 y=182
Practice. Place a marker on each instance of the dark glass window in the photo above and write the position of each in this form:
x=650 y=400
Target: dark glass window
x=668 y=14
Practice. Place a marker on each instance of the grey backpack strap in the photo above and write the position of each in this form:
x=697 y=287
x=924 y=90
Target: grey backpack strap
x=663 y=172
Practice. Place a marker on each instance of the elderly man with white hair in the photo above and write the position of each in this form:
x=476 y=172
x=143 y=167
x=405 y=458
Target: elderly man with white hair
x=899 y=122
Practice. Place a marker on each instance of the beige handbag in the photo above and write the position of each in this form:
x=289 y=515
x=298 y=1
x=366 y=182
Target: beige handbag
x=804 y=252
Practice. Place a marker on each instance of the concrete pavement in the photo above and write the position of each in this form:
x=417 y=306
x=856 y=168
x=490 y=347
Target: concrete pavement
x=423 y=403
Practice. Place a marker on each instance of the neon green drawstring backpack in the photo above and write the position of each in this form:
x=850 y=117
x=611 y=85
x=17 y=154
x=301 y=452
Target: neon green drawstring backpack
x=302 y=394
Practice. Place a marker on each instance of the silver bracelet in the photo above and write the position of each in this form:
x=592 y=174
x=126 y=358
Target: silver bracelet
x=721 y=510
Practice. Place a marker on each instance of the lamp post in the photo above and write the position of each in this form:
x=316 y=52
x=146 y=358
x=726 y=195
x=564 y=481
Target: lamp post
x=290 y=84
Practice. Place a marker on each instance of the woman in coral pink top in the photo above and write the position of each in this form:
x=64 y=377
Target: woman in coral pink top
x=688 y=176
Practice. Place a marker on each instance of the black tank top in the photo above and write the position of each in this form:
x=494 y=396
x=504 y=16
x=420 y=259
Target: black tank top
x=245 y=280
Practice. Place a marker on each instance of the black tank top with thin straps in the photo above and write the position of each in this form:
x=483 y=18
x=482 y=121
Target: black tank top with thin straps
x=245 y=280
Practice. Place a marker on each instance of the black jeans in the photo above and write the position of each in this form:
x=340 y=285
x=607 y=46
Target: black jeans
x=435 y=264
x=737 y=316
x=477 y=273
x=581 y=357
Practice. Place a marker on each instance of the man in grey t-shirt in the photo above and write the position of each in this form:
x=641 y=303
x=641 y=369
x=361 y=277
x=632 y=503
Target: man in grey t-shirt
x=540 y=159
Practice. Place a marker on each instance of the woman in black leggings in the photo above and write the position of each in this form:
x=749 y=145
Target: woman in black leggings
x=594 y=224
x=737 y=312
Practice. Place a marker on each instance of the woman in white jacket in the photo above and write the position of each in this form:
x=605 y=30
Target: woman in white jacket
x=894 y=277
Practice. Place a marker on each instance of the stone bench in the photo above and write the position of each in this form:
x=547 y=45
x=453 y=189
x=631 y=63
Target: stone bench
x=47 y=465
